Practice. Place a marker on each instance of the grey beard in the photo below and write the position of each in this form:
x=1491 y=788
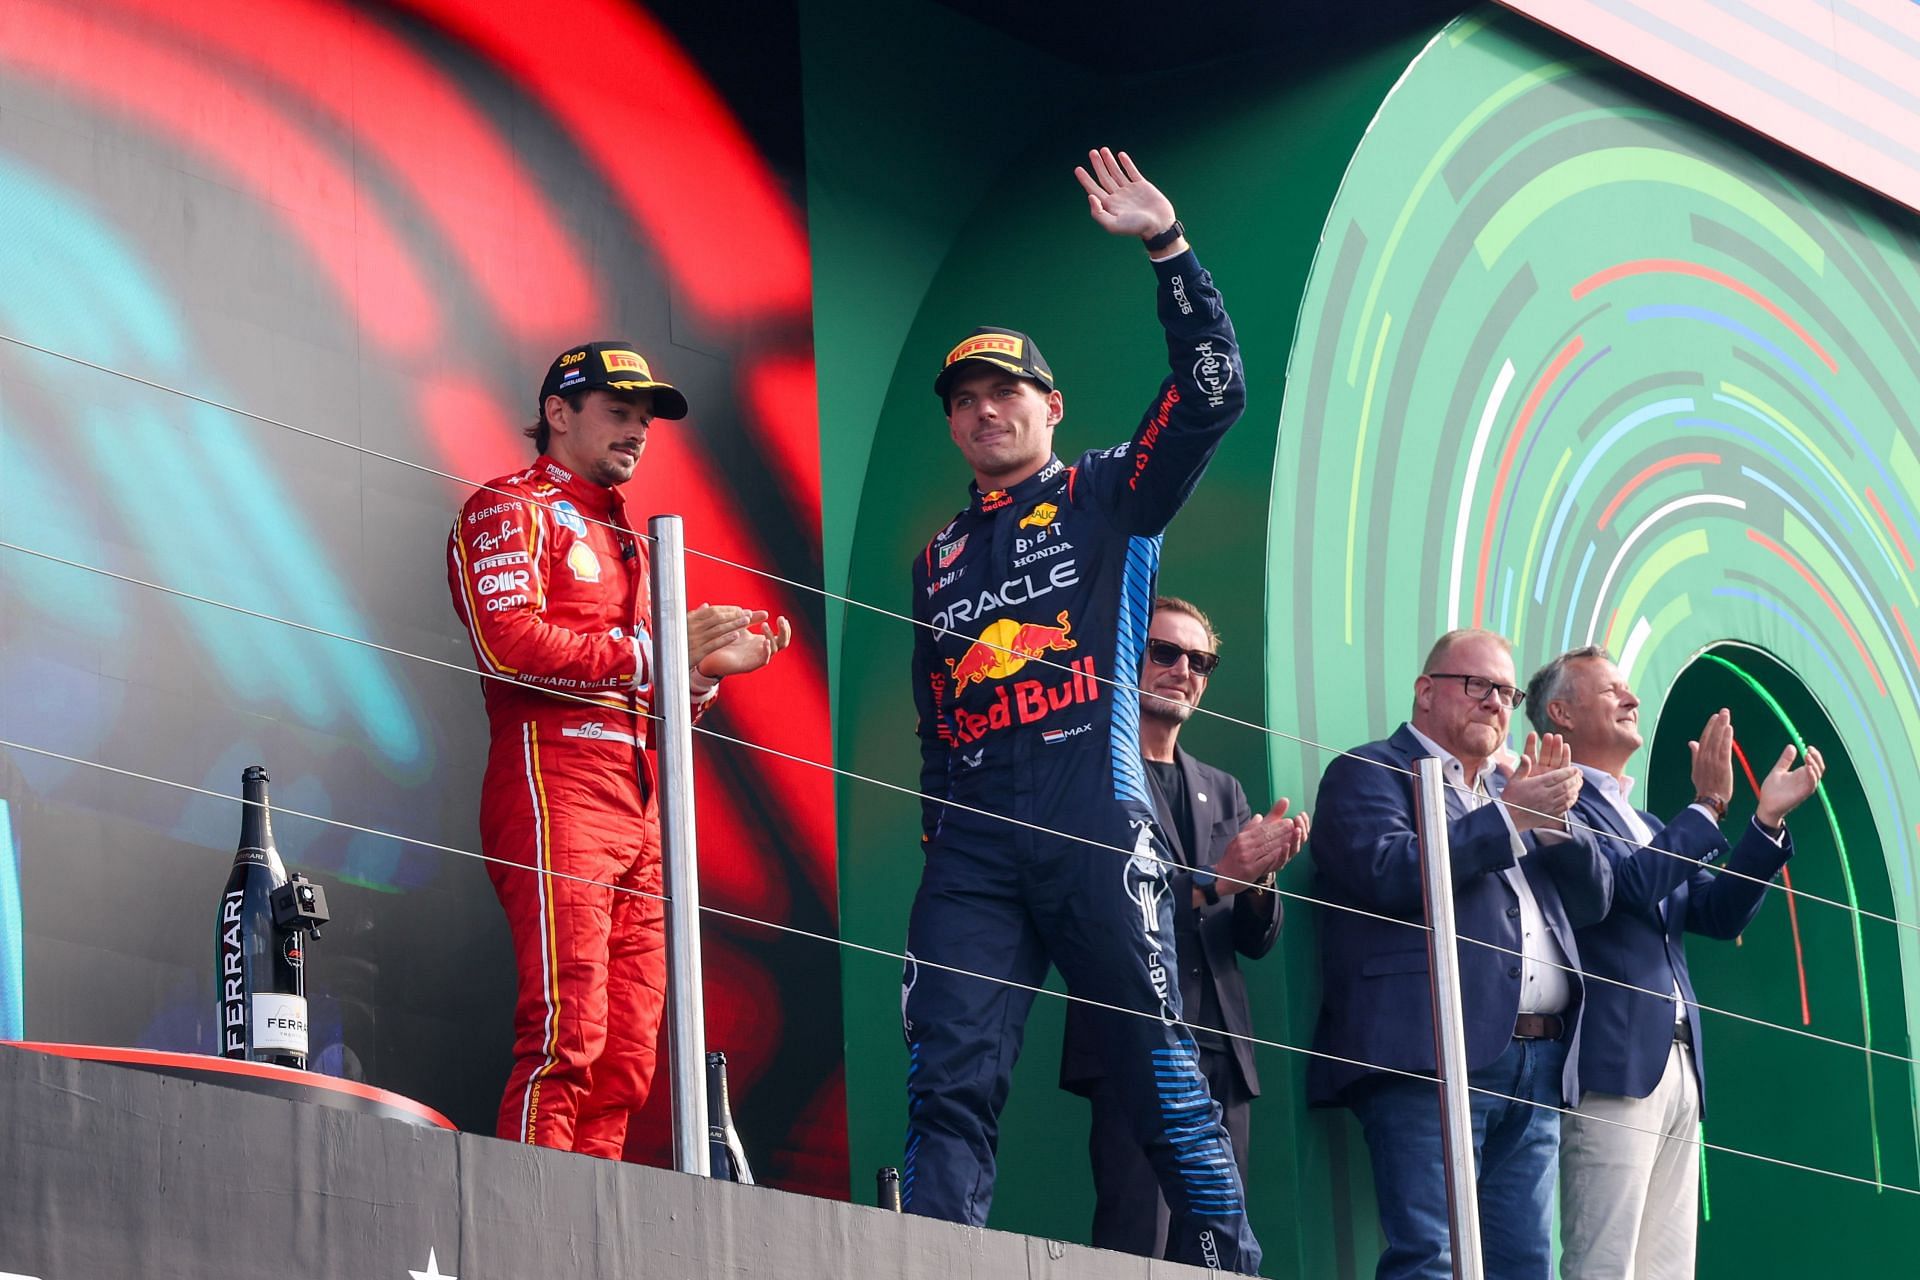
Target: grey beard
x=1165 y=709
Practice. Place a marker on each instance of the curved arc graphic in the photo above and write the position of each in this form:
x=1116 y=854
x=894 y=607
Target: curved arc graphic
x=1729 y=470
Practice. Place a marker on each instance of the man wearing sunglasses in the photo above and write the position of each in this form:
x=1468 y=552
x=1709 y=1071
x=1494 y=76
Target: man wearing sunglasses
x=1038 y=821
x=1223 y=904
x=1522 y=883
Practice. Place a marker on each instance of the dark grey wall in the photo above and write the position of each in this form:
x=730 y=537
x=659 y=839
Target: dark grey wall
x=115 y=1172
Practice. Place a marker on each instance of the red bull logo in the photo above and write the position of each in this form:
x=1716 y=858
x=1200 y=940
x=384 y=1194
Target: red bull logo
x=1004 y=647
x=1029 y=702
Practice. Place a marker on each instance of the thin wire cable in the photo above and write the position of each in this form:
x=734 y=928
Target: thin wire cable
x=566 y=696
x=890 y=786
x=1696 y=1004
x=1115 y=684
x=309 y=433
x=705 y=908
x=868 y=949
x=822 y=591
x=840 y=772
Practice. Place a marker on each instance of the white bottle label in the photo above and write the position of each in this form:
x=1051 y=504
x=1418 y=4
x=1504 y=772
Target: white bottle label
x=279 y=1022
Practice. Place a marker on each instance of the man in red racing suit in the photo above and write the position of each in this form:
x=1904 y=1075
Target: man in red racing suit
x=551 y=583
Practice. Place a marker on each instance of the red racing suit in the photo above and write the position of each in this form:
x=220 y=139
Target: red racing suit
x=552 y=586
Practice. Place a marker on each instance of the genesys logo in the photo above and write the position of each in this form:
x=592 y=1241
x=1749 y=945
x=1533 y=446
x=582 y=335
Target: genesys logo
x=476 y=517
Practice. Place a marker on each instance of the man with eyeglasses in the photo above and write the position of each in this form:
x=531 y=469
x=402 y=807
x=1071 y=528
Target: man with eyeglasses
x=1038 y=823
x=1629 y=1170
x=1223 y=903
x=1522 y=883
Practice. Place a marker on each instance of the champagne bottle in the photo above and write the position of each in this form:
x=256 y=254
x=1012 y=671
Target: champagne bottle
x=259 y=971
x=727 y=1158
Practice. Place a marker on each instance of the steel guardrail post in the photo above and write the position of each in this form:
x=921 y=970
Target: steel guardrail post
x=673 y=746
x=1449 y=1024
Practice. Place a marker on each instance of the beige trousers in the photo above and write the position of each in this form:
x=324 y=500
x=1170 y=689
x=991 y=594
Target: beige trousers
x=1630 y=1190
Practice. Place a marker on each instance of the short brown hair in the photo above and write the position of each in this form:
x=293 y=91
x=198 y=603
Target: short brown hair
x=540 y=433
x=1175 y=604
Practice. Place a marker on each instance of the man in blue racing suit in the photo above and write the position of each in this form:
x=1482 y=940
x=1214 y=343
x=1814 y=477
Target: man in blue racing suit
x=1036 y=594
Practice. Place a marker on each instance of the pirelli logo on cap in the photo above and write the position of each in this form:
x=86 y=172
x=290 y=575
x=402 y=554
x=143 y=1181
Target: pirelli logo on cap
x=989 y=345
x=623 y=361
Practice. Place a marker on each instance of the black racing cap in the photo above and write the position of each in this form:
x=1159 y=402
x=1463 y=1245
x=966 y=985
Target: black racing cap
x=610 y=366
x=1007 y=349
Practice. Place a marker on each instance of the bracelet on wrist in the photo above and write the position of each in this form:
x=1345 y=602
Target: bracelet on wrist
x=1715 y=803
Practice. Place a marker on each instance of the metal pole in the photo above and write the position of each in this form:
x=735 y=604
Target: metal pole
x=1449 y=1025
x=672 y=737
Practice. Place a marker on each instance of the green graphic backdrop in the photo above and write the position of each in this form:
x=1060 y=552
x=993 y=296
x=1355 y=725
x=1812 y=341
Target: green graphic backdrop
x=1578 y=365
x=1636 y=375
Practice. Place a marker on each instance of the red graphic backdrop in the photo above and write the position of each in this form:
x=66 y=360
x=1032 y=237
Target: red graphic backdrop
x=471 y=187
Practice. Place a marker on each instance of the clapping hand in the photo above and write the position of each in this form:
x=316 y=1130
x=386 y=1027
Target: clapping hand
x=1785 y=789
x=728 y=640
x=1544 y=784
x=1262 y=847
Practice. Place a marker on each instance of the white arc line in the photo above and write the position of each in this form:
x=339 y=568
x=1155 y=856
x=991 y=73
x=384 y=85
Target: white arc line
x=1474 y=459
x=1619 y=557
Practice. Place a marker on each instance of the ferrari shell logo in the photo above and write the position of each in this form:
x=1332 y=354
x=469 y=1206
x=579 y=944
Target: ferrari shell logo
x=584 y=563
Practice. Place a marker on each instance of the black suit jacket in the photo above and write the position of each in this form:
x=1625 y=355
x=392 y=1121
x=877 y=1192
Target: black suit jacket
x=1244 y=923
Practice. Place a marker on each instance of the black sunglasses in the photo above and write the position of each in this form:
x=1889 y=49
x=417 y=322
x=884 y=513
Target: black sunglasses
x=1164 y=653
x=1478 y=687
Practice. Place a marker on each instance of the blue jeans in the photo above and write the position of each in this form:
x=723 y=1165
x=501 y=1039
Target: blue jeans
x=1515 y=1148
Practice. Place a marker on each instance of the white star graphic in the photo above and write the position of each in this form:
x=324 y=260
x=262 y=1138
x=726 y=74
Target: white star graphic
x=433 y=1271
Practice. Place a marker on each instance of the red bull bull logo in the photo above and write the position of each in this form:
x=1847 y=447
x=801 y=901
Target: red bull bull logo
x=1005 y=646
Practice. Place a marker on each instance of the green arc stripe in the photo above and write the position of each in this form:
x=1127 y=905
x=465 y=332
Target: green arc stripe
x=1592 y=169
x=1853 y=899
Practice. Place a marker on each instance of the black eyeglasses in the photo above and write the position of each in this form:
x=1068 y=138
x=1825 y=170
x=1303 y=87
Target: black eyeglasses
x=1478 y=687
x=1164 y=653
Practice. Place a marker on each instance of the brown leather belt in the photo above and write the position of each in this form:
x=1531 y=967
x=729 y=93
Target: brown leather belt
x=1539 y=1026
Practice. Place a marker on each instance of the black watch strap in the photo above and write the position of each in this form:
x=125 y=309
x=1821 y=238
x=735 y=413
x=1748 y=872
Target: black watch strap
x=1156 y=243
x=1207 y=883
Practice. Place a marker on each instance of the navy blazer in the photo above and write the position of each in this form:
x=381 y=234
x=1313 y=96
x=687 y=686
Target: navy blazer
x=1630 y=1033
x=1244 y=923
x=1376 y=1004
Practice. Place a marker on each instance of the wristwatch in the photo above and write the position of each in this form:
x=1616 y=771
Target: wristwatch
x=1715 y=803
x=1156 y=243
x=1207 y=883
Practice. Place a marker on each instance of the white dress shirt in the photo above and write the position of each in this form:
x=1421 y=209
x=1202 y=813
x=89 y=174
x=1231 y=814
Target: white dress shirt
x=1544 y=984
